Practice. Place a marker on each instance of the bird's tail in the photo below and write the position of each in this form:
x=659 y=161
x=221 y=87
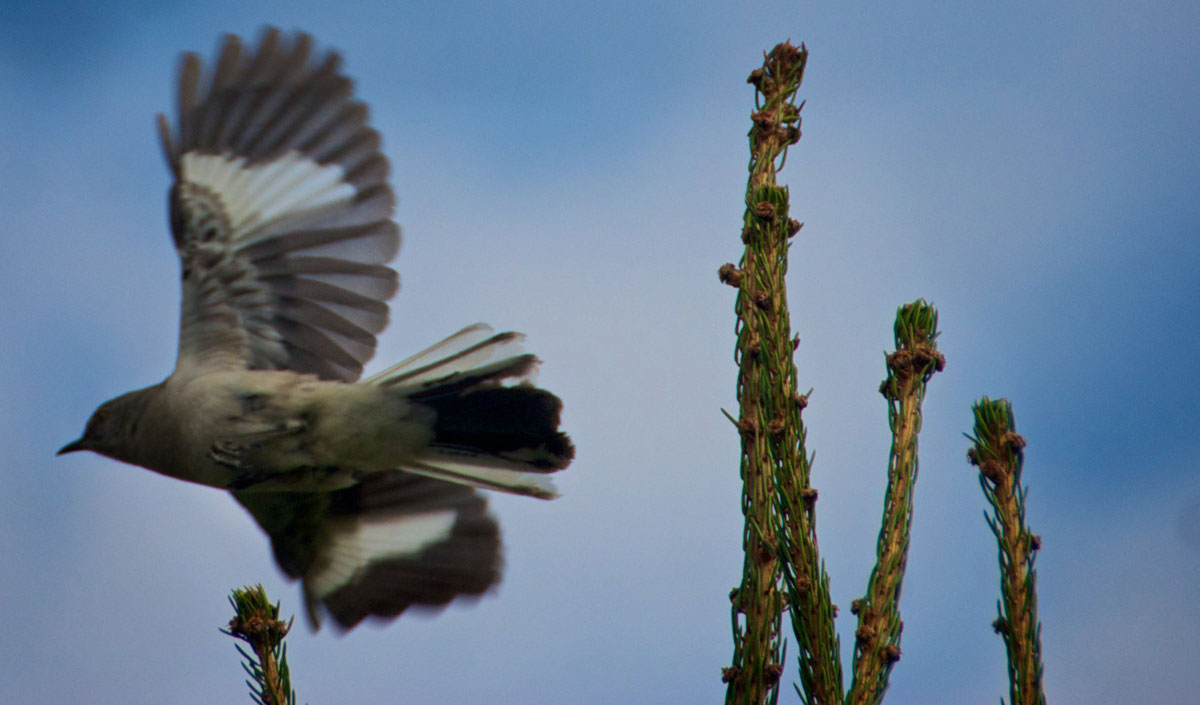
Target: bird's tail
x=493 y=428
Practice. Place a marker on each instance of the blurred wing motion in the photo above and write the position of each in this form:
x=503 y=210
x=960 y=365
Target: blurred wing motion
x=280 y=212
x=391 y=542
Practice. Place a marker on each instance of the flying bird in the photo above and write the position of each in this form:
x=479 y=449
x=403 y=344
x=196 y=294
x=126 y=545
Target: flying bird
x=281 y=214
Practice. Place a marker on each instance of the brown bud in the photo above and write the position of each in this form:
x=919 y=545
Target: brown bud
x=764 y=210
x=1014 y=440
x=772 y=672
x=885 y=388
x=993 y=470
x=731 y=275
x=762 y=300
x=900 y=362
x=786 y=54
x=748 y=427
x=763 y=119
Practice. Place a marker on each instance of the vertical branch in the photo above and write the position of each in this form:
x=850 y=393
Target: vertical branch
x=256 y=622
x=774 y=461
x=909 y=368
x=998 y=452
x=805 y=583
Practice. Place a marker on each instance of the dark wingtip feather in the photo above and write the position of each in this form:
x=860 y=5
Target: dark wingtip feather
x=190 y=70
x=169 y=148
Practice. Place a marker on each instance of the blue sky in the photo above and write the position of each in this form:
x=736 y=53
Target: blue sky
x=575 y=171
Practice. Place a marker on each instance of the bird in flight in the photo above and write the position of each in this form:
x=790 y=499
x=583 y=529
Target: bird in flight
x=281 y=214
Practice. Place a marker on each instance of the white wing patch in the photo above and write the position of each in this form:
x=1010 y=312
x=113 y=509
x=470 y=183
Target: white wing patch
x=259 y=194
x=373 y=539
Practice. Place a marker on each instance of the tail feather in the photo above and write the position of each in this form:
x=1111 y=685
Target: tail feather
x=465 y=351
x=492 y=428
x=484 y=472
x=517 y=424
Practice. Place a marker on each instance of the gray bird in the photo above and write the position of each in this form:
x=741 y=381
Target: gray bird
x=281 y=215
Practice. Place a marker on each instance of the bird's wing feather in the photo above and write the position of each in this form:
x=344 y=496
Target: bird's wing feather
x=391 y=542
x=280 y=212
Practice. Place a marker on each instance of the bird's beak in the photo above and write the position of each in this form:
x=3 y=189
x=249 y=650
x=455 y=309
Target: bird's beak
x=72 y=447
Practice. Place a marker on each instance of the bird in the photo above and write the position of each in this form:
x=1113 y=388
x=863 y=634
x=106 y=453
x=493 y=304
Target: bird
x=282 y=216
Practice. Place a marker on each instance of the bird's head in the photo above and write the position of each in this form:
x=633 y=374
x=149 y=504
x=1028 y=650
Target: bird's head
x=113 y=426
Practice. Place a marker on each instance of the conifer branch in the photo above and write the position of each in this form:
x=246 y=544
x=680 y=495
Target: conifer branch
x=779 y=536
x=999 y=453
x=909 y=368
x=256 y=622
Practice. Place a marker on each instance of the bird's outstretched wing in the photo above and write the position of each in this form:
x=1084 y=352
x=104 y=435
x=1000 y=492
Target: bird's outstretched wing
x=280 y=211
x=391 y=542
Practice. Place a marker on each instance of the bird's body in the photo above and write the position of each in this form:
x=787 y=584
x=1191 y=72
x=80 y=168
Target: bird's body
x=281 y=217
x=278 y=430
